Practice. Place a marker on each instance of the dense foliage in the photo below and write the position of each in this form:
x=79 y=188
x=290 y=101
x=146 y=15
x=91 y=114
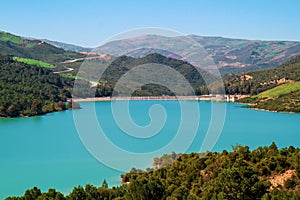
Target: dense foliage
x=240 y=174
x=27 y=90
x=123 y=64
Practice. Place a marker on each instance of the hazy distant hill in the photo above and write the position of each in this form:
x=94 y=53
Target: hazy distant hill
x=67 y=47
x=231 y=55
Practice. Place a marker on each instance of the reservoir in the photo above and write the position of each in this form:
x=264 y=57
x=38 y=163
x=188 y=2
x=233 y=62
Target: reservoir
x=48 y=151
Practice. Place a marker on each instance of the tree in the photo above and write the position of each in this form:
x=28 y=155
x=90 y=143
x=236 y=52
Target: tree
x=104 y=184
x=32 y=194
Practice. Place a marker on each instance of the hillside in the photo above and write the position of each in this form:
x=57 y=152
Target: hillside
x=28 y=90
x=283 y=98
x=67 y=47
x=230 y=55
x=279 y=90
x=124 y=63
x=264 y=173
x=34 y=49
x=262 y=80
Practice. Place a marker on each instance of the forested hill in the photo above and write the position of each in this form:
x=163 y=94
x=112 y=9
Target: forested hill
x=266 y=173
x=124 y=63
x=262 y=80
x=35 y=49
x=27 y=90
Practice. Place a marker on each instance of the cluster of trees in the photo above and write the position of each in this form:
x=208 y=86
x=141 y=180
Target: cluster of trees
x=165 y=160
x=240 y=174
x=27 y=90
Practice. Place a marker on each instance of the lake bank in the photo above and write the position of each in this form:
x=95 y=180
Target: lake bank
x=224 y=98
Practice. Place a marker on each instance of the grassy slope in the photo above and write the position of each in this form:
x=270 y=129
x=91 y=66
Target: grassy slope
x=267 y=93
x=34 y=49
x=263 y=80
x=279 y=90
x=283 y=98
x=33 y=62
x=12 y=38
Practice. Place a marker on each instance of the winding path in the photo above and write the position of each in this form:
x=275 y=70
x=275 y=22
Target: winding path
x=68 y=69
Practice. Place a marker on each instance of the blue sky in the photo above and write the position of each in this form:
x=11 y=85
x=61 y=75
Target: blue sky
x=89 y=22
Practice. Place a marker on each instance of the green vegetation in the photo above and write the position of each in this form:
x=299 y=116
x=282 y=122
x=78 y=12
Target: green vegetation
x=123 y=64
x=9 y=37
x=258 y=81
x=283 y=102
x=279 y=90
x=74 y=77
x=68 y=76
x=33 y=49
x=275 y=89
x=266 y=173
x=27 y=90
x=33 y=62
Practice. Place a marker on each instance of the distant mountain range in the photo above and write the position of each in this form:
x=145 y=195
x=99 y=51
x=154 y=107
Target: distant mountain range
x=231 y=55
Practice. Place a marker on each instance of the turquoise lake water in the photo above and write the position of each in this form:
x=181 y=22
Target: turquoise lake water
x=47 y=151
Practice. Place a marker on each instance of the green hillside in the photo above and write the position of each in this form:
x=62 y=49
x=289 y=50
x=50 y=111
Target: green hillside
x=124 y=63
x=279 y=90
x=258 y=81
x=33 y=62
x=266 y=173
x=9 y=37
x=283 y=98
x=27 y=90
x=34 y=49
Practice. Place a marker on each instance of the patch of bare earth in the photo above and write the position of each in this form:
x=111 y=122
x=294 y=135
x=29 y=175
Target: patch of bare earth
x=280 y=179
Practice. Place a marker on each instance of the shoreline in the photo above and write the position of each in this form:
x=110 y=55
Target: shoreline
x=221 y=98
x=274 y=111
